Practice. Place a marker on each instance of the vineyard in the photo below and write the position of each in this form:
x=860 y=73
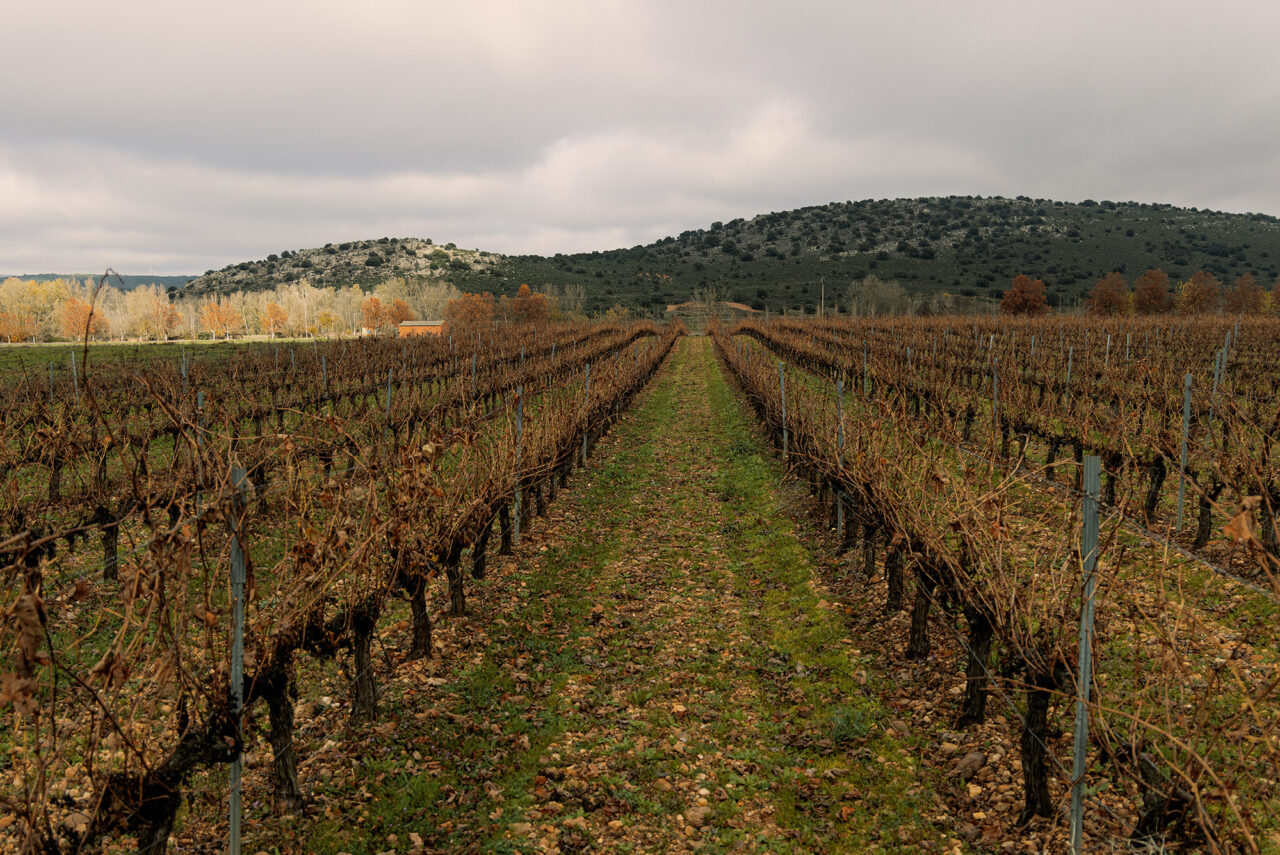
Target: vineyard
x=194 y=550
x=958 y=450
x=336 y=478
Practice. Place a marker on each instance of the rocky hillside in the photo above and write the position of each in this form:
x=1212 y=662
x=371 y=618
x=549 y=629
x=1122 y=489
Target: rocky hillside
x=969 y=246
x=362 y=262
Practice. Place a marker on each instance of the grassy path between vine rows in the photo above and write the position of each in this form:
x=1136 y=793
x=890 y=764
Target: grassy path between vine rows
x=655 y=671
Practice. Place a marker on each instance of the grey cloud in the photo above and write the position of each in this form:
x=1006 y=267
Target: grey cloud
x=177 y=137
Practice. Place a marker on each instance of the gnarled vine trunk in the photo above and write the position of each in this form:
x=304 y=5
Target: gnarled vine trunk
x=280 y=693
x=420 y=647
x=1034 y=745
x=918 y=643
x=457 y=596
x=1156 y=473
x=364 y=689
x=480 y=549
x=893 y=571
x=973 y=708
x=504 y=528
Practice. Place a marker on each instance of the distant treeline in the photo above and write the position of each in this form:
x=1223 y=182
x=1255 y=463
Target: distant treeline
x=68 y=309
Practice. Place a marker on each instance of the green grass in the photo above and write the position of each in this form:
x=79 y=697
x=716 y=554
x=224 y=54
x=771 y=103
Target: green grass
x=809 y=639
x=34 y=359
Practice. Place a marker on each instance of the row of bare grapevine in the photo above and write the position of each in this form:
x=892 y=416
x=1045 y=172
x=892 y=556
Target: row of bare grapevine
x=119 y=691
x=96 y=454
x=1128 y=411
x=1190 y=738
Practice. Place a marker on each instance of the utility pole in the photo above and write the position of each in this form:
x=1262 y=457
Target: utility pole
x=822 y=301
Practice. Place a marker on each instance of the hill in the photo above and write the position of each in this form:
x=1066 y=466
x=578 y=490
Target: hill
x=123 y=282
x=361 y=262
x=969 y=246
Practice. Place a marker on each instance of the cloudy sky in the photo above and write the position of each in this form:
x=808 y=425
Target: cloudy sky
x=176 y=136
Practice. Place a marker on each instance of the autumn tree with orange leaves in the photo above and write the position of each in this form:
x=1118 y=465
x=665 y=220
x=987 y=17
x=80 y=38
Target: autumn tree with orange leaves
x=274 y=318
x=79 y=318
x=1110 y=296
x=17 y=326
x=1200 y=294
x=1025 y=297
x=160 y=319
x=373 y=314
x=397 y=313
x=529 y=307
x=470 y=313
x=219 y=318
x=1151 y=293
x=1244 y=297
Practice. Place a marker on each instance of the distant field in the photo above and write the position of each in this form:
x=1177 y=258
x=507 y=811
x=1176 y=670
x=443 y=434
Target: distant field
x=18 y=358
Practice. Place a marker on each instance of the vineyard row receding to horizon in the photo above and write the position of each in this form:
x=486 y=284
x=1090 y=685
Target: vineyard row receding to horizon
x=346 y=475
x=955 y=447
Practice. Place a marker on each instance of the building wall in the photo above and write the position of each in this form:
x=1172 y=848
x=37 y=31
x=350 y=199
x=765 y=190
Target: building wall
x=433 y=329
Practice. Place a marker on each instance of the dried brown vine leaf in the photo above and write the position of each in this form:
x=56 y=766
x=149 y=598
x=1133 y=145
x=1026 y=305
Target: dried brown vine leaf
x=1241 y=527
x=206 y=614
x=111 y=668
x=27 y=615
x=18 y=691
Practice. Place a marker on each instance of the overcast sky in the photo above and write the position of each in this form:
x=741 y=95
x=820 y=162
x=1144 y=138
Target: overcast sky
x=176 y=136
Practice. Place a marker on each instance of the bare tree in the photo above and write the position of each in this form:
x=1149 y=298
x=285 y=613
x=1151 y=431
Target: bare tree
x=874 y=296
x=573 y=299
x=708 y=300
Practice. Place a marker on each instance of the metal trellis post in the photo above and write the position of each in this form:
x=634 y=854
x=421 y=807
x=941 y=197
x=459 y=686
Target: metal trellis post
x=1186 y=427
x=1066 y=388
x=840 y=446
x=586 y=403
x=239 y=480
x=1089 y=556
x=782 y=385
x=515 y=531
